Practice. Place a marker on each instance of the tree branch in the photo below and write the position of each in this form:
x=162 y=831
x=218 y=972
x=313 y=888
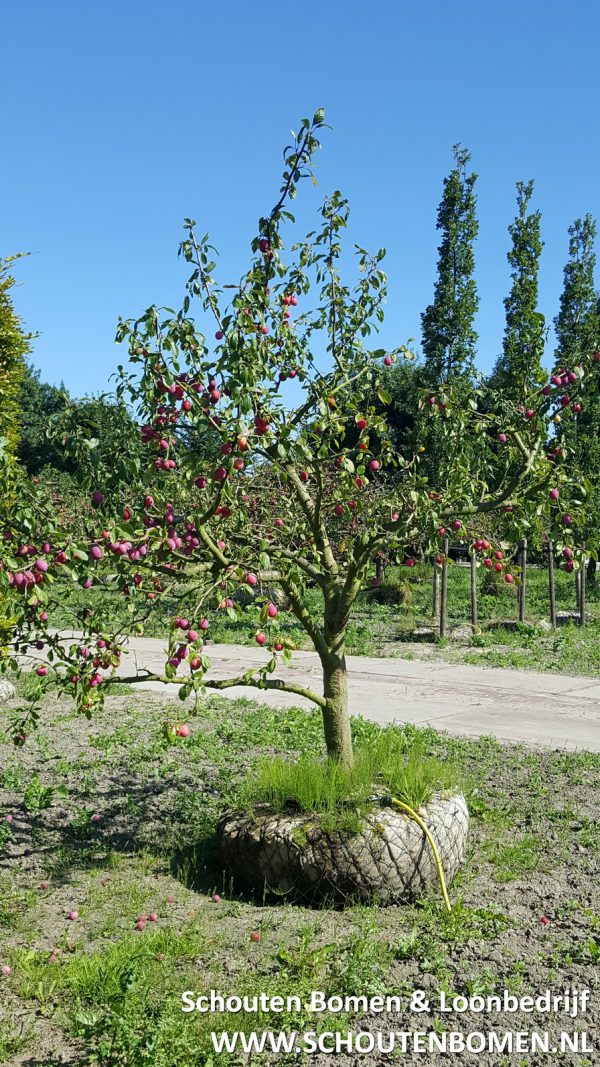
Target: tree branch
x=303 y=615
x=312 y=512
x=276 y=684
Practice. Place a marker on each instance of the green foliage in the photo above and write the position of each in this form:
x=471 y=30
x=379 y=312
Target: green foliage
x=516 y=856
x=115 y=1034
x=404 y=382
x=5 y=835
x=295 y=503
x=578 y=331
x=53 y=426
x=69 y=500
x=14 y=347
x=113 y=998
x=38 y=797
x=395 y=591
x=112 y=991
x=39 y=402
x=100 y=441
x=396 y=399
x=7 y=625
x=577 y=320
x=389 y=764
x=449 y=337
x=518 y=371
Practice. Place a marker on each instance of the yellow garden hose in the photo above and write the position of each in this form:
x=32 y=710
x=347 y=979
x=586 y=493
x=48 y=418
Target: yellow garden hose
x=417 y=818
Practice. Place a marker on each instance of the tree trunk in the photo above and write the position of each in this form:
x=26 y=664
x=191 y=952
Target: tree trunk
x=591 y=571
x=336 y=720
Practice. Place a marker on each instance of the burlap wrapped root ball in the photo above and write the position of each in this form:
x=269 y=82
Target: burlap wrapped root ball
x=7 y=690
x=388 y=860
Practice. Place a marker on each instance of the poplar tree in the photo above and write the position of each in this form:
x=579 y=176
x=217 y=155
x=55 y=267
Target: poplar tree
x=448 y=335
x=578 y=333
x=577 y=320
x=518 y=371
x=14 y=347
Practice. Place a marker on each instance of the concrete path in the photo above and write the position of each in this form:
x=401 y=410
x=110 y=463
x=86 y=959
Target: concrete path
x=552 y=710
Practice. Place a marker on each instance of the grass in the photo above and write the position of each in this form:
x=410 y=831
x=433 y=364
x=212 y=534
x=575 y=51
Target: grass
x=517 y=857
x=98 y=991
x=379 y=626
x=386 y=766
x=116 y=995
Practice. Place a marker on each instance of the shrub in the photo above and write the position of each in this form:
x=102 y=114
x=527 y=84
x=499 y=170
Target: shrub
x=397 y=591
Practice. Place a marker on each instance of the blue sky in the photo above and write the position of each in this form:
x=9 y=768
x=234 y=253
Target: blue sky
x=123 y=117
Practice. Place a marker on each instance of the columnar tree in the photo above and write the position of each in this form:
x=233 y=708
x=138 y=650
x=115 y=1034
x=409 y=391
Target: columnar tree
x=294 y=501
x=14 y=347
x=578 y=331
x=577 y=320
x=518 y=370
x=449 y=336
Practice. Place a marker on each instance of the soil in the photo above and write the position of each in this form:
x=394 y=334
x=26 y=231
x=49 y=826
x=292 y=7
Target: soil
x=527 y=904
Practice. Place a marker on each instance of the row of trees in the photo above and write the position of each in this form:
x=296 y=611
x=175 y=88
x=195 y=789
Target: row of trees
x=449 y=338
x=448 y=332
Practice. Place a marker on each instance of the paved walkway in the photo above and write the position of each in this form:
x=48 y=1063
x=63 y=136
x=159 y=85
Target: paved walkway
x=552 y=710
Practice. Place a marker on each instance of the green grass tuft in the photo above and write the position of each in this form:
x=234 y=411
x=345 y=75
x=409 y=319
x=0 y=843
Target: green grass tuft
x=386 y=765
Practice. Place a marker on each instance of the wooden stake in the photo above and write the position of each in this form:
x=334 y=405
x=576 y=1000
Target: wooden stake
x=551 y=588
x=523 y=580
x=444 y=591
x=582 y=591
x=474 y=590
x=435 y=590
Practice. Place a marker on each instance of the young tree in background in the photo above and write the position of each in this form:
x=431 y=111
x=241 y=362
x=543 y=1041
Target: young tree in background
x=449 y=338
x=518 y=370
x=38 y=403
x=578 y=330
x=404 y=383
x=577 y=320
x=14 y=347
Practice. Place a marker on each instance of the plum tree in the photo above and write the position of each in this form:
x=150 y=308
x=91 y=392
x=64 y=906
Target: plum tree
x=307 y=488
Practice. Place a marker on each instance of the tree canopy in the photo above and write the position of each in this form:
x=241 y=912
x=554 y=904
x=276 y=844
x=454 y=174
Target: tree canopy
x=578 y=332
x=15 y=345
x=518 y=371
x=294 y=502
x=449 y=336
